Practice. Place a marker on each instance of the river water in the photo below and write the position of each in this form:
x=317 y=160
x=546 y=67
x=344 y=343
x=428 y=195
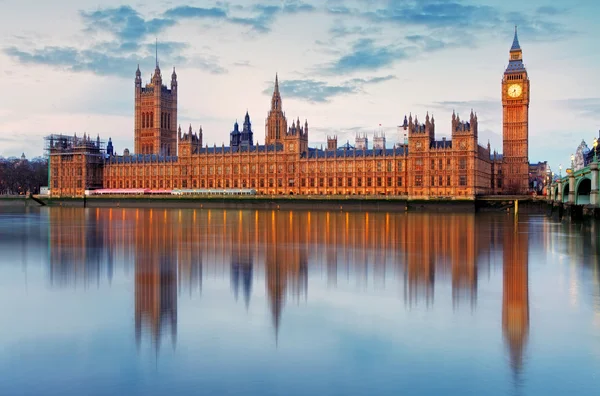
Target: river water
x=155 y=302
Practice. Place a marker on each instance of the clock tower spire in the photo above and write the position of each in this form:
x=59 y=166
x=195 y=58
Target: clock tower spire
x=515 y=123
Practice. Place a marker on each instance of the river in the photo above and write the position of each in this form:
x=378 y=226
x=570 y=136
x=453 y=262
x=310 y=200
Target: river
x=154 y=302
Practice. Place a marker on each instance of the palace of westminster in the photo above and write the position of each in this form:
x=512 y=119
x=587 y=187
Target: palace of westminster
x=422 y=167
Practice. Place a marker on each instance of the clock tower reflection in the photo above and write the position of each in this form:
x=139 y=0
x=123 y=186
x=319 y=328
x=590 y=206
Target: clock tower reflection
x=515 y=296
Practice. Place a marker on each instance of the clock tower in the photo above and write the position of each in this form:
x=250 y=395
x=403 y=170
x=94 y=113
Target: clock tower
x=515 y=123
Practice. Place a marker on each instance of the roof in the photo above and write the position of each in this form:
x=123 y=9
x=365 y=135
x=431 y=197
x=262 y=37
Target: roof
x=515 y=45
x=443 y=144
x=317 y=153
x=515 y=66
x=125 y=159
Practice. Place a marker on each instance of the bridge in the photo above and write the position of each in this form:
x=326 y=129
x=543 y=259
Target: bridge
x=578 y=187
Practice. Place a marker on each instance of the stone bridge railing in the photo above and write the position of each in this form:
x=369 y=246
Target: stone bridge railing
x=578 y=187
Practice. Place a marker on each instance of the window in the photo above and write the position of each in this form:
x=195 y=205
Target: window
x=349 y=182
x=419 y=164
x=321 y=182
x=379 y=182
x=448 y=162
x=340 y=182
x=368 y=182
x=432 y=165
x=290 y=182
x=389 y=182
x=271 y=183
x=440 y=166
x=440 y=181
x=312 y=181
x=399 y=181
x=389 y=166
x=279 y=182
x=432 y=181
x=463 y=180
x=359 y=182
x=399 y=166
x=462 y=163
x=419 y=181
x=303 y=182
x=330 y=182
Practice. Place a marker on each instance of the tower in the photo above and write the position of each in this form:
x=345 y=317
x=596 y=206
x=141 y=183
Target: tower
x=515 y=122
x=276 y=124
x=155 y=114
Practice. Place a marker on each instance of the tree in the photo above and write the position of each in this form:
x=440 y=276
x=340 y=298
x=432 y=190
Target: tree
x=20 y=176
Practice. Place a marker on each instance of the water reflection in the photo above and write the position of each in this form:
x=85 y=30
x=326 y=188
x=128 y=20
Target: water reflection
x=515 y=295
x=173 y=250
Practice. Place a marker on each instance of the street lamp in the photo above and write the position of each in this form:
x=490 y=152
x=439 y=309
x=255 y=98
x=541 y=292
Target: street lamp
x=595 y=149
x=560 y=171
x=572 y=162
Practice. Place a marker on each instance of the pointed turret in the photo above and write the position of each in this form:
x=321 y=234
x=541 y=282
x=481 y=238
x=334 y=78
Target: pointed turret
x=276 y=99
x=515 y=45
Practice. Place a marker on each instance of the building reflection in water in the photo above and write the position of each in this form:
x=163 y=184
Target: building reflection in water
x=515 y=295
x=172 y=251
x=155 y=278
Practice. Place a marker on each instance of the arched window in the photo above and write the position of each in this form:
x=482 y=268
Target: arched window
x=169 y=121
x=151 y=119
x=143 y=120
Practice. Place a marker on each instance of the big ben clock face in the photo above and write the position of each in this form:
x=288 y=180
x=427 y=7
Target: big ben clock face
x=515 y=90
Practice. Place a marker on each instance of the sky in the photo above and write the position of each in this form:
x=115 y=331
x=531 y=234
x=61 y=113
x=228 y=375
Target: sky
x=347 y=66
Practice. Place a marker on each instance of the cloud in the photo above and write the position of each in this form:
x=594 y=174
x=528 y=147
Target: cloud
x=341 y=30
x=366 y=55
x=244 y=63
x=583 y=107
x=124 y=22
x=74 y=60
x=195 y=12
x=260 y=19
x=455 y=18
x=319 y=92
x=549 y=10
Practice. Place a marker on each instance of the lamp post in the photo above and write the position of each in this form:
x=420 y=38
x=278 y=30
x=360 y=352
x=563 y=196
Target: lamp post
x=560 y=171
x=595 y=149
x=572 y=162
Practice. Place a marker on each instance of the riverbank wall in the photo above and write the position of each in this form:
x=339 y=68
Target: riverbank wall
x=571 y=212
x=377 y=204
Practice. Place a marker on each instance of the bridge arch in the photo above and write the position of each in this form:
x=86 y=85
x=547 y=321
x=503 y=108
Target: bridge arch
x=582 y=191
x=565 y=196
x=555 y=196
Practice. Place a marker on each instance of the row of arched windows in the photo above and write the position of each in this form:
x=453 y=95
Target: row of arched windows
x=165 y=121
x=148 y=120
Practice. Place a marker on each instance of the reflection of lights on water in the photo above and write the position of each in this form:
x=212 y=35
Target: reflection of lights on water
x=573 y=286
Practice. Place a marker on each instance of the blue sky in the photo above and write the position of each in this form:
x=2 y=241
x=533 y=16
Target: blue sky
x=346 y=66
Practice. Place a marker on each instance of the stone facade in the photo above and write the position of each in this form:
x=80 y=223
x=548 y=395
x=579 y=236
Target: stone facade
x=423 y=167
x=515 y=115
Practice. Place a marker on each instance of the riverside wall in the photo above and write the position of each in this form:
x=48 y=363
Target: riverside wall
x=526 y=204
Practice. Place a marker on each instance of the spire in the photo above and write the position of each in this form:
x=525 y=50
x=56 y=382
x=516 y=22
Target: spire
x=157 y=53
x=276 y=83
x=515 y=44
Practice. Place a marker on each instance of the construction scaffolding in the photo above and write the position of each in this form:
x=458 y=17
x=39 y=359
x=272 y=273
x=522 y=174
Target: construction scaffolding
x=59 y=144
x=74 y=163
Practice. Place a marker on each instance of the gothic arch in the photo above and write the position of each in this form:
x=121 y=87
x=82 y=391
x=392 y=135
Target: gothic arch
x=143 y=120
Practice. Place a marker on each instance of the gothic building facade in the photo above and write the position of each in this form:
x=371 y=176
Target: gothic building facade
x=422 y=167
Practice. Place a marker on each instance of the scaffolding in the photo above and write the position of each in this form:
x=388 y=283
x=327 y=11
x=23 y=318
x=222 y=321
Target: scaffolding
x=59 y=144
x=74 y=163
